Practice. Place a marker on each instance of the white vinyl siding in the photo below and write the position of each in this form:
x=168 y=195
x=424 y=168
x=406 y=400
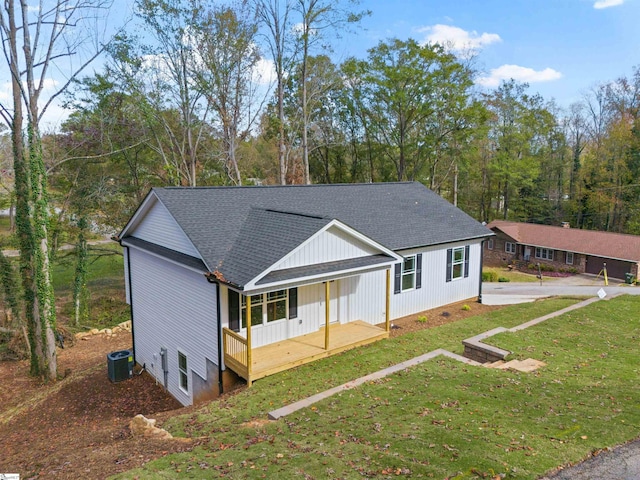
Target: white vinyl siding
x=159 y=227
x=173 y=308
x=436 y=291
x=328 y=246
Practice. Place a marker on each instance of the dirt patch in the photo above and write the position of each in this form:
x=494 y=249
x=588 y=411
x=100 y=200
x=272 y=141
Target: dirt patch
x=440 y=316
x=78 y=427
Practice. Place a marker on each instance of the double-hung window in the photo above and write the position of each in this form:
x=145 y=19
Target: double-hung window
x=256 y=310
x=265 y=308
x=182 y=369
x=569 y=258
x=276 y=305
x=408 y=274
x=457 y=263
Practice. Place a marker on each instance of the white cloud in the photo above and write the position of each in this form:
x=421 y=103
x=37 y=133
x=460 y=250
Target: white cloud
x=264 y=73
x=600 y=4
x=518 y=73
x=458 y=38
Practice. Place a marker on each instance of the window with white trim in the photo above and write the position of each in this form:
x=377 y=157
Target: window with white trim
x=490 y=244
x=544 y=253
x=510 y=247
x=265 y=308
x=182 y=369
x=457 y=263
x=569 y=258
x=409 y=273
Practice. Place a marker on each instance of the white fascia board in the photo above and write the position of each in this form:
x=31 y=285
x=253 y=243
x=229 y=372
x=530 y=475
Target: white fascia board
x=333 y=223
x=153 y=254
x=326 y=277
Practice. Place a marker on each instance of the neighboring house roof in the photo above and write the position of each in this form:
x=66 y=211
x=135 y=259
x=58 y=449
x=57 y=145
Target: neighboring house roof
x=589 y=242
x=240 y=231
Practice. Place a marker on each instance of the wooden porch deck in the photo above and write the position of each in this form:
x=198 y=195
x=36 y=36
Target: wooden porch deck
x=286 y=354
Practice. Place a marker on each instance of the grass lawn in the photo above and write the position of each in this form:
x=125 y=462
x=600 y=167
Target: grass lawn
x=512 y=275
x=440 y=419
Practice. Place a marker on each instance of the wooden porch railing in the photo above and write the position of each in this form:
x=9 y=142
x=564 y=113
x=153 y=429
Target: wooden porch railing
x=236 y=353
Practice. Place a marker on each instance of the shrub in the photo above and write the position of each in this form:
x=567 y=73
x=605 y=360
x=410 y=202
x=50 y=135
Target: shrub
x=547 y=268
x=503 y=279
x=489 y=276
x=466 y=308
x=422 y=319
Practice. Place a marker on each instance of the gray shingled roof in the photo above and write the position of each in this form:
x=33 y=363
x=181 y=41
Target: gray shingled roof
x=234 y=227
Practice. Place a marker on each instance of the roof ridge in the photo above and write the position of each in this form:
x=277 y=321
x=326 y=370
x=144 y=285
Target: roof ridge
x=235 y=187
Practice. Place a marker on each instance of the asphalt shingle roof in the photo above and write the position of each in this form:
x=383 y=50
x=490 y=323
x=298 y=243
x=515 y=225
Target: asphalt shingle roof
x=600 y=244
x=234 y=227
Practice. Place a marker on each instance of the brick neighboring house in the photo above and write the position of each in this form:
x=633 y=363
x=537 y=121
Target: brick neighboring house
x=586 y=251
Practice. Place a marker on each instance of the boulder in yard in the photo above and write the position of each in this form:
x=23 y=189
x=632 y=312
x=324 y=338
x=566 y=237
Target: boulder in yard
x=146 y=427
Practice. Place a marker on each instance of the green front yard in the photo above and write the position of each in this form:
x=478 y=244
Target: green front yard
x=442 y=419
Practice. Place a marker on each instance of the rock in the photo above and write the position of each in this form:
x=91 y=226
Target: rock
x=80 y=335
x=146 y=427
x=108 y=331
x=125 y=325
x=94 y=331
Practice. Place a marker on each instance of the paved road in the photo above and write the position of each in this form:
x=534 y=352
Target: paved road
x=621 y=463
x=508 y=293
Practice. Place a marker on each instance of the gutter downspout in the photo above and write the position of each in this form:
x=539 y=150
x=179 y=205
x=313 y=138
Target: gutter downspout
x=220 y=389
x=481 y=262
x=133 y=335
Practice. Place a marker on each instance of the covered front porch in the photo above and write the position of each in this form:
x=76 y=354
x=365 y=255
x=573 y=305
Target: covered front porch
x=285 y=354
x=253 y=363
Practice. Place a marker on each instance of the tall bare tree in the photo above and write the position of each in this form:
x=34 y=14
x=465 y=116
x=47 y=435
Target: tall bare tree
x=60 y=36
x=274 y=18
x=319 y=18
x=226 y=74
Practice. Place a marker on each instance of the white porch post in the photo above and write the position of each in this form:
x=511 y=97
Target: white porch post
x=326 y=315
x=249 y=360
x=387 y=315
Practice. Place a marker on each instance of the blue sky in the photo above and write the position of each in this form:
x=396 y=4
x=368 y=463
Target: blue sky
x=560 y=47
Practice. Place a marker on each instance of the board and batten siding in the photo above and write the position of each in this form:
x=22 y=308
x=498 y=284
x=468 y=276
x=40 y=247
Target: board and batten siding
x=435 y=290
x=328 y=246
x=159 y=227
x=175 y=308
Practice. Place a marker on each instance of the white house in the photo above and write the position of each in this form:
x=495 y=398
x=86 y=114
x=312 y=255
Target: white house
x=254 y=280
